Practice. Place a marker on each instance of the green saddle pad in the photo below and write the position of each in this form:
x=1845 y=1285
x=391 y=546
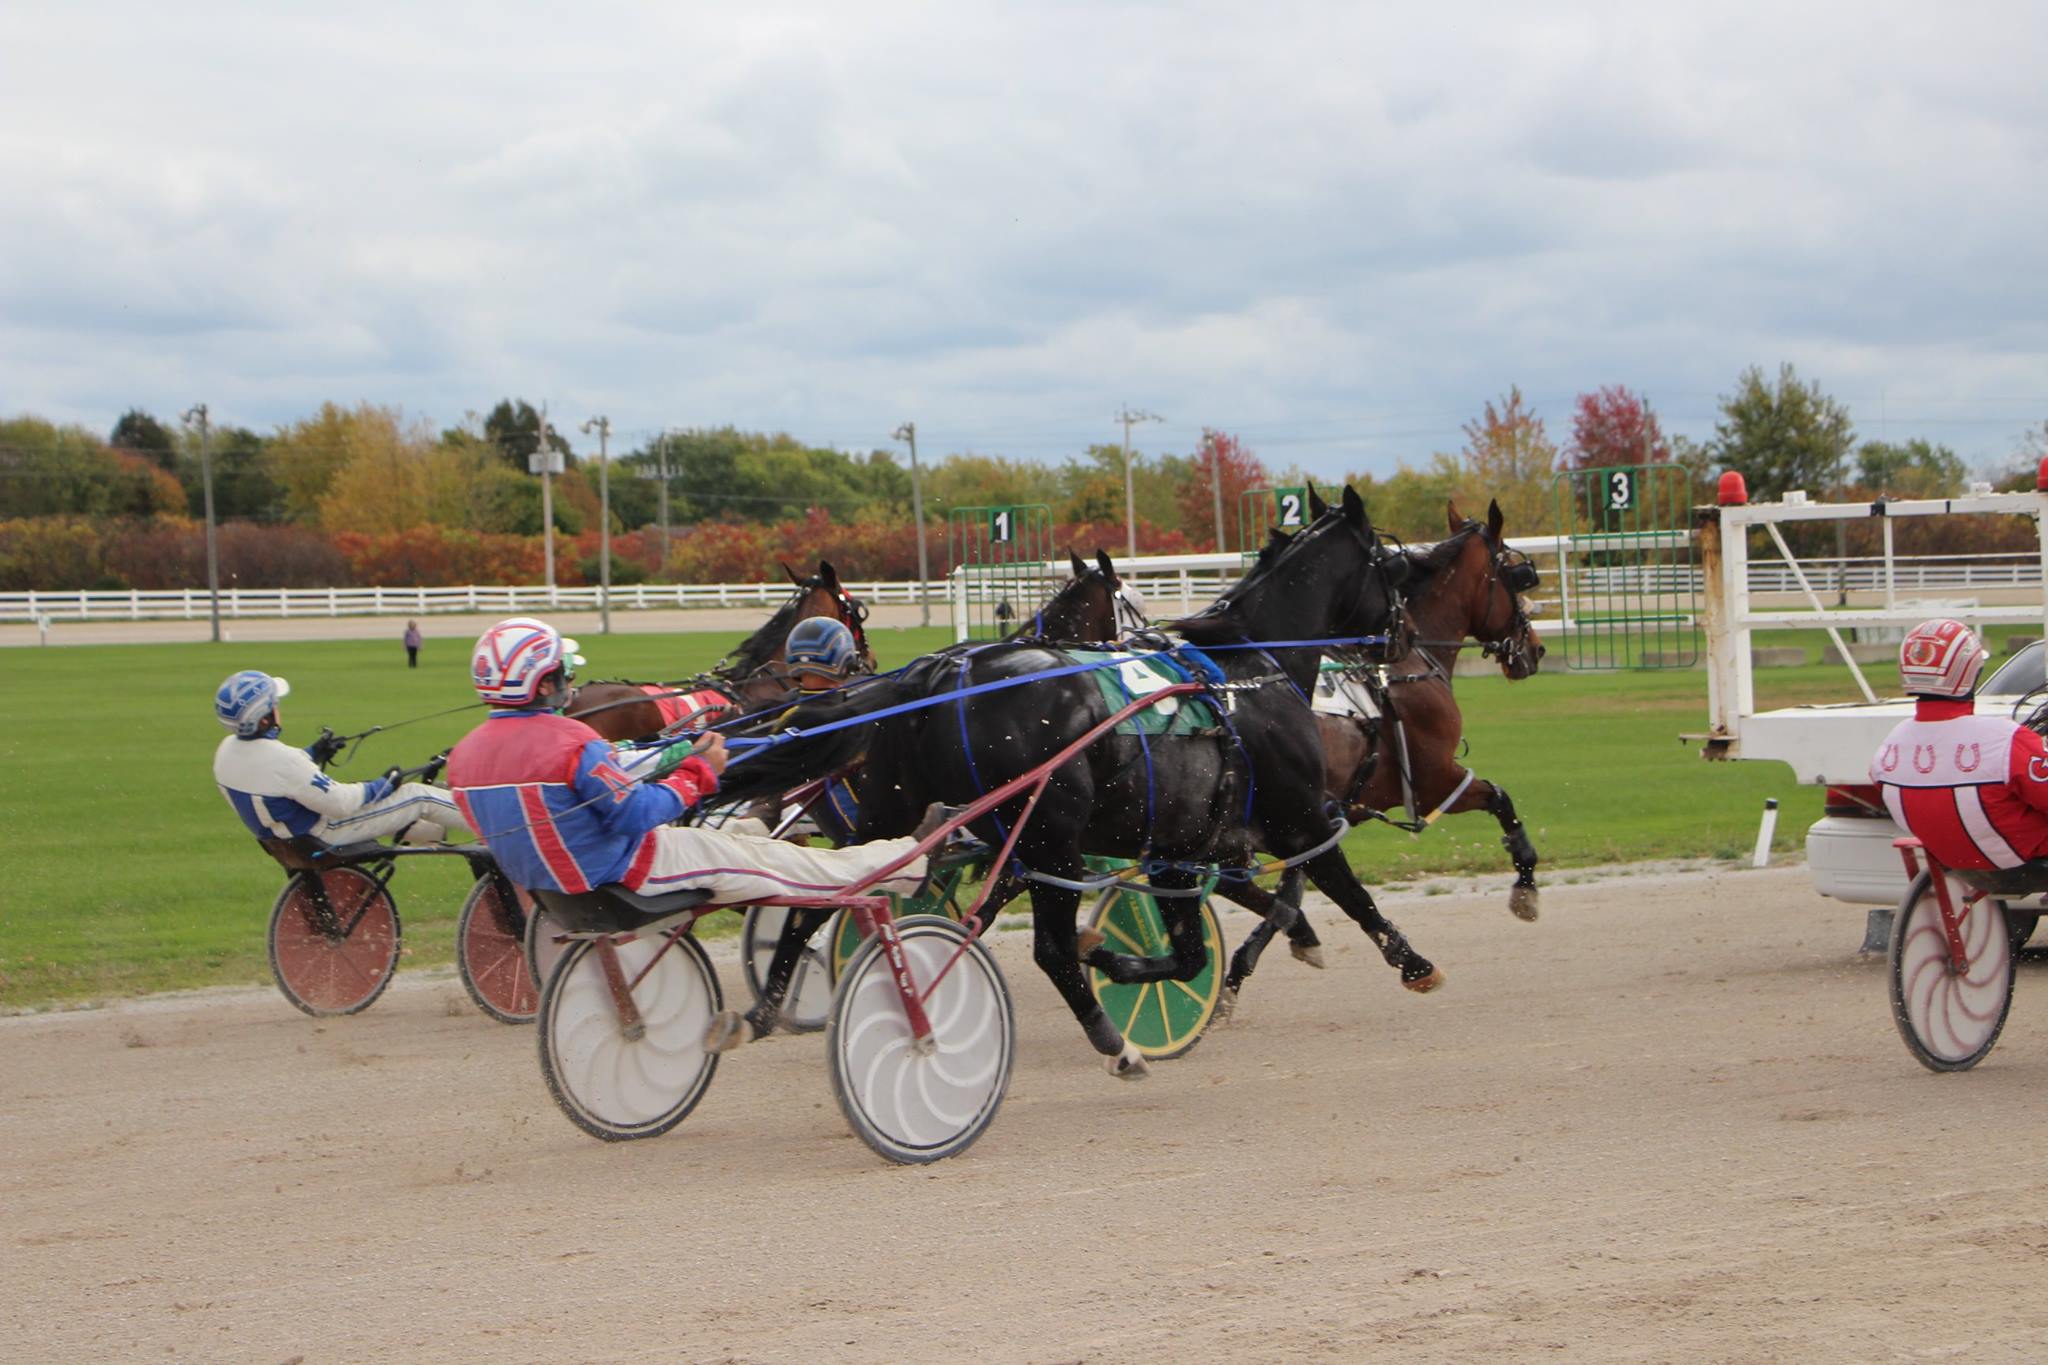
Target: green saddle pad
x=1124 y=678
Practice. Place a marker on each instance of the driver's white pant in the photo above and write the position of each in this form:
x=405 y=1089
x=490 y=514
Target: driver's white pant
x=429 y=813
x=745 y=867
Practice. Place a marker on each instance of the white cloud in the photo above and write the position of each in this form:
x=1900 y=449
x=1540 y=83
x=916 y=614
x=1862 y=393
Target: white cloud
x=1337 y=229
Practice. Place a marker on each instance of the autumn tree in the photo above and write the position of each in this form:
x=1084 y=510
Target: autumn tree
x=1612 y=426
x=1219 y=452
x=1783 y=435
x=381 y=485
x=1508 y=456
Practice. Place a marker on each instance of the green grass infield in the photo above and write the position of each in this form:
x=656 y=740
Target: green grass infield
x=125 y=871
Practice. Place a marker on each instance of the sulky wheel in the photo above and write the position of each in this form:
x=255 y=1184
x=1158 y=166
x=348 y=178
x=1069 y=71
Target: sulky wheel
x=543 y=954
x=1161 y=1019
x=333 y=964
x=941 y=896
x=490 y=952
x=911 y=1105
x=1949 y=1020
x=810 y=990
x=609 y=1084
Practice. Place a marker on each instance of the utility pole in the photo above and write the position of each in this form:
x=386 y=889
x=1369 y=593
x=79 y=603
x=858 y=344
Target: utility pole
x=1216 y=484
x=603 y=427
x=1127 y=417
x=908 y=432
x=661 y=465
x=197 y=413
x=543 y=464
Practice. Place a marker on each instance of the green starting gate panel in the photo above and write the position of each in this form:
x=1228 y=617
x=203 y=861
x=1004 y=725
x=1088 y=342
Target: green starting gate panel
x=1260 y=510
x=1000 y=556
x=1627 y=570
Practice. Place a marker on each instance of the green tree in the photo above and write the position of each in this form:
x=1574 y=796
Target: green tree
x=245 y=482
x=1783 y=435
x=51 y=470
x=1913 y=469
x=143 y=434
x=513 y=429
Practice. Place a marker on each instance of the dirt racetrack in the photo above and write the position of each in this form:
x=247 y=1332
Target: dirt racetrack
x=1672 y=1121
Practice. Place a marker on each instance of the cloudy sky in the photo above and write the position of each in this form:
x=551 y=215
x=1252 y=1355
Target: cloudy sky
x=1334 y=229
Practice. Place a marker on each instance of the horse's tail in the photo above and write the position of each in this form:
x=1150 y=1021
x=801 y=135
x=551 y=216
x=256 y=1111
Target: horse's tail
x=789 y=759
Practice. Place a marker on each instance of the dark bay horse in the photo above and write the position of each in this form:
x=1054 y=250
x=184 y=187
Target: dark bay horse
x=1254 y=781
x=1468 y=586
x=749 y=677
x=1092 y=607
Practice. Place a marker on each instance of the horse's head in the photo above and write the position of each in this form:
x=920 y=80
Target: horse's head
x=822 y=594
x=1334 y=579
x=1095 y=605
x=1496 y=612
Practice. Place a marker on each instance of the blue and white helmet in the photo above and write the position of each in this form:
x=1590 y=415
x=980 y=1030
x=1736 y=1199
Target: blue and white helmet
x=822 y=647
x=513 y=658
x=246 y=700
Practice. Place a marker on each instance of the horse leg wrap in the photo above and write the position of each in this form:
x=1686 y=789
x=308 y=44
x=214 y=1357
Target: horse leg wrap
x=1301 y=935
x=727 y=1030
x=1103 y=1034
x=1127 y=969
x=1523 y=897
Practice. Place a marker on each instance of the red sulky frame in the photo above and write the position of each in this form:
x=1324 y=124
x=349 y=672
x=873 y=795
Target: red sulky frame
x=872 y=912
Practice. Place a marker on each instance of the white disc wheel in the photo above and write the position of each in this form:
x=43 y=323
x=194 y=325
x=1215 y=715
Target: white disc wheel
x=1949 y=1019
x=810 y=989
x=915 y=1106
x=543 y=954
x=618 y=1087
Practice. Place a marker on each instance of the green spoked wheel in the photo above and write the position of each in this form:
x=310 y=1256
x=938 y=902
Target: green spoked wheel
x=1162 y=1019
x=949 y=895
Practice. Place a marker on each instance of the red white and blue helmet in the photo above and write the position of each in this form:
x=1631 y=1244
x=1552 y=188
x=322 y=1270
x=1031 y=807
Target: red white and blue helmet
x=245 y=701
x=514 y=658
x=1941 y=659
x=820 y=646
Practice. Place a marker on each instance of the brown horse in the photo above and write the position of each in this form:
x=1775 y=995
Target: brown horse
x=1468 y=586
x=749 y=678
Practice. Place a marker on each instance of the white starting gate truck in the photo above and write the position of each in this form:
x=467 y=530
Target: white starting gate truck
x=1849 y=851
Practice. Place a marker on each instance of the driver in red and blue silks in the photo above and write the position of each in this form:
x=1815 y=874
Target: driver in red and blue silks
x=562 y=810
x=1972 y=789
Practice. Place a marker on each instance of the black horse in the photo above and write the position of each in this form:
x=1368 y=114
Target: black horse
x=1254 y=781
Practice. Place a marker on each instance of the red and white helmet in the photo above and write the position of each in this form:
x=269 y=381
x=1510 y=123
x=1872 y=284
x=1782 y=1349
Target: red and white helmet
x=513 y=658
x=1941 y=659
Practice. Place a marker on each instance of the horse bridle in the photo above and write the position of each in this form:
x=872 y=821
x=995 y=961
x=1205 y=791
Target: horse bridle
x=1516 y=574
x=1378 y=556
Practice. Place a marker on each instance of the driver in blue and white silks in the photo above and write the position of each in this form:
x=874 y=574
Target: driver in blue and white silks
x=281 y=793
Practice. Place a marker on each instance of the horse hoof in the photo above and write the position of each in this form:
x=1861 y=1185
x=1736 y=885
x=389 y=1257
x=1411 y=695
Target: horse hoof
x=1312 y=954
x=727 y=1030
x=1423 y=985
x=1128 y=1065
x=1525 y=901
x=1088 y=940
x=1226 y=1004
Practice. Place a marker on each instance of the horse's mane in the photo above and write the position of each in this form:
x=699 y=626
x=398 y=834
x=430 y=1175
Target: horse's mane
x=749 y=654
x=1438 y=557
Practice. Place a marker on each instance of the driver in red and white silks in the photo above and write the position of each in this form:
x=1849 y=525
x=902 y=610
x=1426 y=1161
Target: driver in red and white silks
x=562 y=811
x=1973 y=789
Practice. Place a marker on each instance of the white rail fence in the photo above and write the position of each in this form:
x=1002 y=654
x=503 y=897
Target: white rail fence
x=1201 y=580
